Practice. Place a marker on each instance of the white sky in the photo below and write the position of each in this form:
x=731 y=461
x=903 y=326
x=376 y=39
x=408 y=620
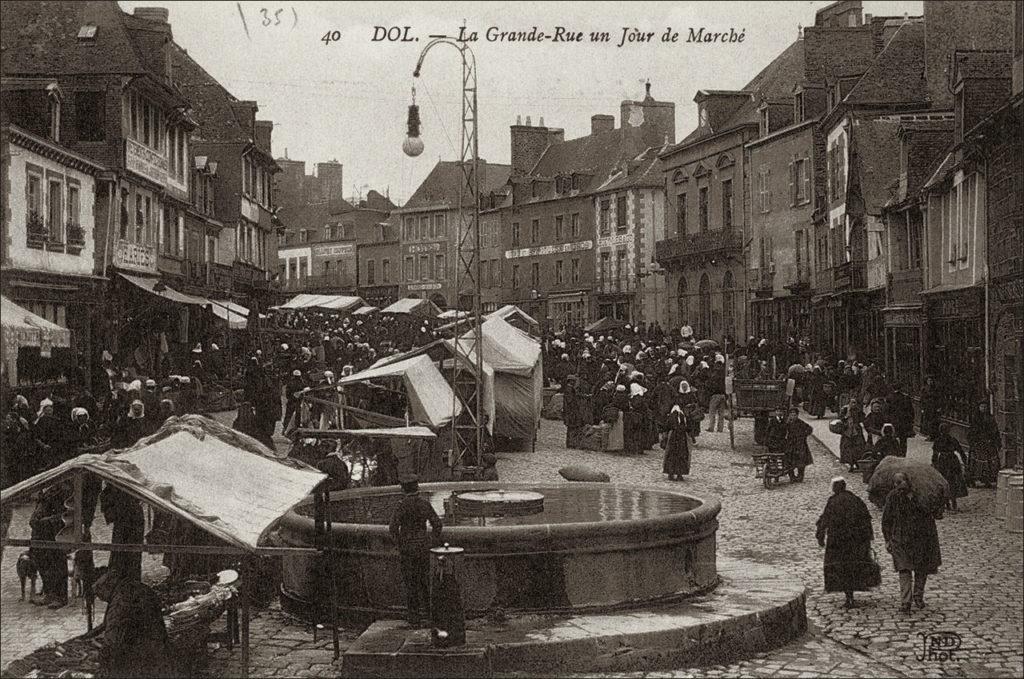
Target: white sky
x=348 y=100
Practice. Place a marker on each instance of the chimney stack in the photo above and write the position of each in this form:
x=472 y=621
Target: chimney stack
x=528 y=121
x=601 y=123
x=158 y=14
x=541 y=123
x=519 y=119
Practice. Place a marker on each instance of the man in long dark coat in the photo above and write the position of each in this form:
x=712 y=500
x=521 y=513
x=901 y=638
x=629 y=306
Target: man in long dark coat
x=912 y=539
x=798 y=453
x=844 y=530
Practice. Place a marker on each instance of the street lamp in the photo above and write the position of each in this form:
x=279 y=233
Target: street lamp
x=413 y=145
x=467 y=390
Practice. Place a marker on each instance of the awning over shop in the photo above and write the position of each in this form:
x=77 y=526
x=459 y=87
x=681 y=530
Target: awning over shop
x=199 y=470
x=413 y=306
x=20 y=327
x=160 y=289
x=430 y=398
x=365 y=310
x=333 y=302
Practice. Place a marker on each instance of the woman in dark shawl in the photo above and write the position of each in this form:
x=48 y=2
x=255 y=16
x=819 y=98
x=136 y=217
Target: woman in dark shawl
x=984 y=441
x=844 y=530
x=677 y=445
x=851 y=443
x=947 y=454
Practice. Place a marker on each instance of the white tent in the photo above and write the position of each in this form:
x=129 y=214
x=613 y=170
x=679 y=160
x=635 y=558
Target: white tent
x=452 y=314
x=365 y=310
x=333 y=302
x=413 y=306
x=21 y=328
x=516 y=317
x=515 y=385
x=430 y=398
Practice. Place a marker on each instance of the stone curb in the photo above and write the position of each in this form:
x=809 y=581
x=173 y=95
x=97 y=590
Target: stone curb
x=756 y=608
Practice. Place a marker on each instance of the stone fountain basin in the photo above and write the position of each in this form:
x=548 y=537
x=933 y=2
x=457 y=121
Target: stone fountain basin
x=596 y=546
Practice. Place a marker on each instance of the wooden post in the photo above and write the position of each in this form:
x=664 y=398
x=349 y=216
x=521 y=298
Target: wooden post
x=728 y=399
x=247 y=574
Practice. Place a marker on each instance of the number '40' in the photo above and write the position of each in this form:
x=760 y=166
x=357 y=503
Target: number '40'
x=331 y=36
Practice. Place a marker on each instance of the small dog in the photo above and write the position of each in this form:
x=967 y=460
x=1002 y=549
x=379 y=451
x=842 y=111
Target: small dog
x=27 y=570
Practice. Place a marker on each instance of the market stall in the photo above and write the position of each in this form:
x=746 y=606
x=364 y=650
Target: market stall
x=22 y=328
x=202 y=474
x=342 y=303
x=413 y=306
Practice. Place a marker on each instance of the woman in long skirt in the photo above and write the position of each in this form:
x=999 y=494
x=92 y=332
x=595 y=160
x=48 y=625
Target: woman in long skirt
x=844 y=530
x=984 y=440
x=947 y=456
x=852 y=444
x=677 y=447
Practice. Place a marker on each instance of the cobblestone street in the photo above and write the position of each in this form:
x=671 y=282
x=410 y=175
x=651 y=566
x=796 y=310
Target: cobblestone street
x=976 y=594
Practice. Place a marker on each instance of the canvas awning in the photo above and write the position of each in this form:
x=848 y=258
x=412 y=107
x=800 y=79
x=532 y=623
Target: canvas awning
x=430 y=398
x=506 y=349
x=452 y=314
x=160 y=289
x=20 y=327
x=198 y=470
x=236 y=315
x=365 y=310
x=413 y=306
x=333 y=302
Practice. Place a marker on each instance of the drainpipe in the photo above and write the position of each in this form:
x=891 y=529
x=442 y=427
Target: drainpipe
x=110 y=222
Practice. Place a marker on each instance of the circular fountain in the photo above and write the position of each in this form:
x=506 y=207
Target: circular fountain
x=556 y=548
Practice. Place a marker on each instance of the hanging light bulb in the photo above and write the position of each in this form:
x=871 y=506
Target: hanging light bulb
x=413 y=145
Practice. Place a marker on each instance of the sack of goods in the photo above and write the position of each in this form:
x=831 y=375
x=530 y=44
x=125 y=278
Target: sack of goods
x=836 y=427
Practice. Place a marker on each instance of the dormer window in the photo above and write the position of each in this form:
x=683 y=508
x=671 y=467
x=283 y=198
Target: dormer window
x=764 y=120
x=798 y=107
x=87 y=33
x=703 y=116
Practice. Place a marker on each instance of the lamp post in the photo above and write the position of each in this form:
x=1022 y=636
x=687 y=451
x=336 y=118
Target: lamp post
x=466 y=430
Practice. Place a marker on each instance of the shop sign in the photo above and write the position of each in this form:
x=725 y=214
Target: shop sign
x=144 y=161
x=908 y=317
x=334 y=250
x=620 y=239
x=542 y=250
x=958 y=305
x=135 y=256
x=424 y=286
x=422 y=247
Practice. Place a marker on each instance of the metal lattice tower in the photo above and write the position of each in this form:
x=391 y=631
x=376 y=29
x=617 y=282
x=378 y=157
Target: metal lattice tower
x=467 y=382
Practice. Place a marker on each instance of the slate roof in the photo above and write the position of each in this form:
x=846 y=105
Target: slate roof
x=774 y=81
x=878 y=162
x=645 y=170
x=308 y=216
x=897 y=74
x=593 y=154
x=210 y=101
x=441 y=186
x=42 y=37
x=982 y=64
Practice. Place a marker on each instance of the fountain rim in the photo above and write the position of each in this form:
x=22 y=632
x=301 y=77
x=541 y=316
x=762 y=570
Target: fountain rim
x=701 y=515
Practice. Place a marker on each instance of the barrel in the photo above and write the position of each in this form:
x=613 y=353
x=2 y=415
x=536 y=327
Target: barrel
x=1015 y=505
x=1002 y=484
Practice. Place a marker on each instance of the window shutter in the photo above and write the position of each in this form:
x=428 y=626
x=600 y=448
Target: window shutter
x=807 y=179
x=768 y=186
x=792 y=182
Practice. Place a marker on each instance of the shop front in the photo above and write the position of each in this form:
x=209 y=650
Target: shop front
x=1006 y=313
x=904 y=355
x=955 y=348
x=566 y=310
